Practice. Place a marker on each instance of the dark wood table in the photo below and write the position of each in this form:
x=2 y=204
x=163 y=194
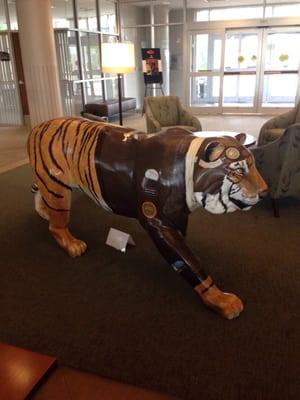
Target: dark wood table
x=250 y=140
x=20 y=371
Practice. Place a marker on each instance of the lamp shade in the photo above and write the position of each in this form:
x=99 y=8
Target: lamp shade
x=118 y=58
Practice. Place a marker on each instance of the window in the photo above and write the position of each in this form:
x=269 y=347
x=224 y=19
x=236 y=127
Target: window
x=170 y=11
x=3 y=24
x=283 y=10
x=155 y=23
x=222 y=14
x=81 y=79
x=107 y=14
x=87 y=15
x=135 y=14
x=62 y=13
x=245 y=12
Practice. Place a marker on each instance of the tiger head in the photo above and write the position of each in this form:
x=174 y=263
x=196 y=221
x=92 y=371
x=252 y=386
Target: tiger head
x=225 y=178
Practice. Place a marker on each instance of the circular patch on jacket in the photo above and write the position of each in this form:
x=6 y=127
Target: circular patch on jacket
x=149 y=209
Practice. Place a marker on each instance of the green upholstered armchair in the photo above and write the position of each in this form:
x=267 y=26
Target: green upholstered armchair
x=274 y=128
x=279 y=164
x=164 y=112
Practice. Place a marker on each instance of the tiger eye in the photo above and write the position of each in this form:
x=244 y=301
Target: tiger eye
x=232 y=153
x=239 y=171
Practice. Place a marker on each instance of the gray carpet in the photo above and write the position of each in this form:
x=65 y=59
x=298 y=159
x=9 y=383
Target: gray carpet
x=129 y=317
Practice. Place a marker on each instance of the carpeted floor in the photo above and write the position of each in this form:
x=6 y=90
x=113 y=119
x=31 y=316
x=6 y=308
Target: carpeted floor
x=129 y=317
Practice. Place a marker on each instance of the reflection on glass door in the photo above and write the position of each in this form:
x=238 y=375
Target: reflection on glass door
x=240 y=68
x=280 y=77
x=205 y=69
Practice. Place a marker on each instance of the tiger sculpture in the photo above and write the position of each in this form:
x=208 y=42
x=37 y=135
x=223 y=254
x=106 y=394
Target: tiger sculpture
x=158 y=179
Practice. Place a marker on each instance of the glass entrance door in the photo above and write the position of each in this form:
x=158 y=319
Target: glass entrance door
x=245 y=70
x=205 y=70
x=280 y=72
x=241 y=67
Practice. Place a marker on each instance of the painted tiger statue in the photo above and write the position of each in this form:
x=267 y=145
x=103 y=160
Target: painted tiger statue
x=158 y=179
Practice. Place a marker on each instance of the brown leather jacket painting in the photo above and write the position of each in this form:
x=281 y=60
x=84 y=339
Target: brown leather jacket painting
x=158 y=179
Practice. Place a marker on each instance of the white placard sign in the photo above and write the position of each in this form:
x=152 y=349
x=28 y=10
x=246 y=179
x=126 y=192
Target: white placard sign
x=119 y=239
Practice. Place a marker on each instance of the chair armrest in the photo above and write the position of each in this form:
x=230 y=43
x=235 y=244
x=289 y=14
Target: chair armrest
x=152 y=123
x=186 y=118
x=153 y=120
x=280 y=121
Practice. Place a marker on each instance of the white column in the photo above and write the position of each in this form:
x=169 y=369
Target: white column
x=161 y=16
x=39 y=59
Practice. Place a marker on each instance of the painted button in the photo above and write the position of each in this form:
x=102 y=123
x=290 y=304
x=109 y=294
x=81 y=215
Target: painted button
x=152 y=174
x=149 y=209
x=232 y=153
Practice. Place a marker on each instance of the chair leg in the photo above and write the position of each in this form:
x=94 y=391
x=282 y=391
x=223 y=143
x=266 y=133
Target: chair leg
x=275 y=206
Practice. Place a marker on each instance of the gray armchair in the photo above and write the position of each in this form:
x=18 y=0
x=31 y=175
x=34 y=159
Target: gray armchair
x=279 y=164
x=274 y=128
x=163 y=112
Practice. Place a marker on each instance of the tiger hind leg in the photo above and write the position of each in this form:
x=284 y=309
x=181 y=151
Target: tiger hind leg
x=39 y=204
x=57 y=209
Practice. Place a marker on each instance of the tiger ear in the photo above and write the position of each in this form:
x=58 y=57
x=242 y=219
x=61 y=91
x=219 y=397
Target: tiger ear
x=214 y=151
x=241 y=138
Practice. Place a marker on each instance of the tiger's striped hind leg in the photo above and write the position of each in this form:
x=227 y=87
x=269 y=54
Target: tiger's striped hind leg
x=57 y=211
x=39 y=204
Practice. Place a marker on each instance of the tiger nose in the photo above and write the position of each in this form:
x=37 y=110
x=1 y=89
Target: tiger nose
x=263 y=193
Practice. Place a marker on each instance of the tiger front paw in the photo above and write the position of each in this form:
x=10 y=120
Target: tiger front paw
x=226 y=304
x=74 y=247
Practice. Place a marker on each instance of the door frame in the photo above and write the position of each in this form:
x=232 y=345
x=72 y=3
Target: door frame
x=205 y=73
x=248 y=109
x=272 y=109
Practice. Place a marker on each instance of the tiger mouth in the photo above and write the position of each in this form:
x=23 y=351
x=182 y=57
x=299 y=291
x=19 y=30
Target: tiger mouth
x=243 y=204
